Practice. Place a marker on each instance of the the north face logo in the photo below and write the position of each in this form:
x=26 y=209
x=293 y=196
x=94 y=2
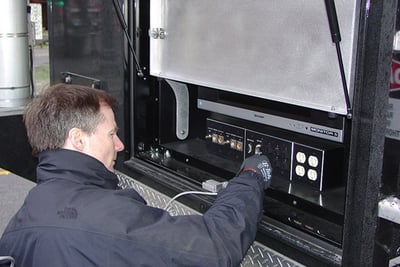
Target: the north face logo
x=68 y=213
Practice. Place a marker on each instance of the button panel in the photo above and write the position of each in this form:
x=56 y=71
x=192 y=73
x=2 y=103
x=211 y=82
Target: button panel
x=318 y=165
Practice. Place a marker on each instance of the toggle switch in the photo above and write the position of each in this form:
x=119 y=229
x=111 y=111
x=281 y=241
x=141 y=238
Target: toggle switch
x=257 y=150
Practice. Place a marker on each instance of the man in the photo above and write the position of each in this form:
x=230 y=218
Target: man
x=75 y=217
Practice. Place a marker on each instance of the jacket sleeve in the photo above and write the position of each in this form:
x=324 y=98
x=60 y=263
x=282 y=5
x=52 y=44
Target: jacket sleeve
x=234 y=216
x=220 y=237
x=236 y=212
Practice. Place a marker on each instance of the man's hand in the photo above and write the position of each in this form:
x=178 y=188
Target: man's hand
x=258 y=164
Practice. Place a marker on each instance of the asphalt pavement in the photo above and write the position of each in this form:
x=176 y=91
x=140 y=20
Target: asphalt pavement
x=41 y=55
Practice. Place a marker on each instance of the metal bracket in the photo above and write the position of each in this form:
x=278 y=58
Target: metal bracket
x=67 y=78
x=182 y=108
x=389 y=209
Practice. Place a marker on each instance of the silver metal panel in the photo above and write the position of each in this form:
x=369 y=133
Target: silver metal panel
x=274 y=49
x=311 y=129
x=257 y=255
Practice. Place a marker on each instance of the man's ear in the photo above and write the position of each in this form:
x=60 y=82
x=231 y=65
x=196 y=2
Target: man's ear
x=75 y=139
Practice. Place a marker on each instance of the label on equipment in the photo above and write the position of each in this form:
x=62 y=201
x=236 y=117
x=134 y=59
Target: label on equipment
x=393 y=113
x=395 y=76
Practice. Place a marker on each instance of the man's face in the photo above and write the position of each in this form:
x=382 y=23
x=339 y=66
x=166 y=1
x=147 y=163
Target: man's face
x=104 y=143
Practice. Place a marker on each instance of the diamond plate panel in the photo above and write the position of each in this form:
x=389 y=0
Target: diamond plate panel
x=257 y=255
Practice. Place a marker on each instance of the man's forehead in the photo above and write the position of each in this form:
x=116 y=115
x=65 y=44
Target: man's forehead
x=108 y=115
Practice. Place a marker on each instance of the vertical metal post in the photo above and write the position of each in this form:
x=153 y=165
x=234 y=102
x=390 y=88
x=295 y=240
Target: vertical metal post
x=14 y=54
x=368 y=131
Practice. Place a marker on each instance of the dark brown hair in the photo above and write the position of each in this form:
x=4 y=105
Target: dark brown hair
x=49 y=116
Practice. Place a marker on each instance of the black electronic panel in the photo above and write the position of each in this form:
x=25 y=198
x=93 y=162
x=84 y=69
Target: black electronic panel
x=307 y=190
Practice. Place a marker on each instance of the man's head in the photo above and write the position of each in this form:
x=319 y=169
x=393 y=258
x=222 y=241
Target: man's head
x=74 y=117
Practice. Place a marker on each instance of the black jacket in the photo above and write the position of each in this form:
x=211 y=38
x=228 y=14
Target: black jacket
x=75 y=217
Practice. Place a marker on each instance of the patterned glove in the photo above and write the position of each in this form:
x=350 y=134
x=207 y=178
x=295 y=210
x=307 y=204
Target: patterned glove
x=258 y=164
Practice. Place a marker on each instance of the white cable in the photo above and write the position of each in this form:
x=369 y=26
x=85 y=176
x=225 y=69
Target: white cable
x=7 y=259
x=187 y=193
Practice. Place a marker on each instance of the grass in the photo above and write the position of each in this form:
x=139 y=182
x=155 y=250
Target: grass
x=41 y=78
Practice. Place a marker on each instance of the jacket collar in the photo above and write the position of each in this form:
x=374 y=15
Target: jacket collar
x=74 y=166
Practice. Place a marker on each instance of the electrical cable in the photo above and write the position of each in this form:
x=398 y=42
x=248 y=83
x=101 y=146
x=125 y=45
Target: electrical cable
x=187 y=193
x=31 y=71
x=7 y=260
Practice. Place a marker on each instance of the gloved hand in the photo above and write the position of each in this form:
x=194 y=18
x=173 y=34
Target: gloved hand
x=259 y=164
